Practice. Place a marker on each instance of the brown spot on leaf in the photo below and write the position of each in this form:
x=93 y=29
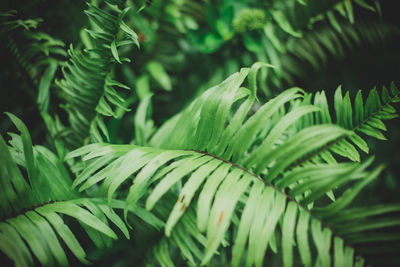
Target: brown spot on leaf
x=221 y=217
x=183 y=208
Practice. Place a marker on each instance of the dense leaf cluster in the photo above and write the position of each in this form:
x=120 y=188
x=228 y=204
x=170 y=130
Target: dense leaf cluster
x=244 y=174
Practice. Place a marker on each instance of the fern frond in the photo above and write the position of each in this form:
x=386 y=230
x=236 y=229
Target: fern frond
x=221 y=191
x=354 y=115
x=228 y=181
x=88 y=84
x=33 y=210
x=238 y=136
x=40 y=226
x=224 y=162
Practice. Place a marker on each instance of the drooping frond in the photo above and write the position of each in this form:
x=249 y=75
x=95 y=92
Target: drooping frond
x=228 y=164
x=88 y=83
x=33 y=209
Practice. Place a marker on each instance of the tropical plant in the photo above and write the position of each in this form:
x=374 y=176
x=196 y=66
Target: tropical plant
x=235 y=178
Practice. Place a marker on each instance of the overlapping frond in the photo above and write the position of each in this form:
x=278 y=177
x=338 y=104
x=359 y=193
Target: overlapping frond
x=33 y=209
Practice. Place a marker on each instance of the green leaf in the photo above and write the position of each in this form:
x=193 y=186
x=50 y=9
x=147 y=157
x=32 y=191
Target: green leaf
x=158 y=73
x=187 y=193
x=226 y=197
x=173 y=177
x=114 y=51
x=302 y=238
x=283 y=124
x=12 y=243
x=368 y=130
x=43 y=98
x=65 y=233
x=141 y=133
x=322 y=239
x=33 y=237
x=282 y=21
x=80 y=214
x=47 y=233
x=130 y=33
x=289 y=221
x=339 y=259
x=207 y=194
x=246 y=221
x=27 y=146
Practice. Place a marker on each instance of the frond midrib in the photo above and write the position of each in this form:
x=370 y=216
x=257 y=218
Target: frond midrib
x=32 y=208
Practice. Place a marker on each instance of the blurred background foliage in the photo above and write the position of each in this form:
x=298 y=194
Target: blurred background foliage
x=187 y=46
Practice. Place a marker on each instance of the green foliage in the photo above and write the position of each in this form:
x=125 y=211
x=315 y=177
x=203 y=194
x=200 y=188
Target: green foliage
x=243 y=173
x=33 y=209
x=249 y=19
x=35 y=52
x=366 y=119
x=88 y=84
x=225 y=169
